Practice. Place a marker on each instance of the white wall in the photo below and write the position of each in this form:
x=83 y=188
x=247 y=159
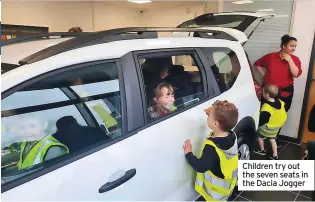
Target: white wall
x=303 y=28
x=172 y=16
x=95 y=16
x=110 y=15
x=58 y=16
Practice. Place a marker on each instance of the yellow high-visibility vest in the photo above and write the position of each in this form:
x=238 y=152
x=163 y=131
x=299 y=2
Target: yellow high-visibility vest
x=37 y=153
x=213 y=188
x=276 y=121
x=173 y=108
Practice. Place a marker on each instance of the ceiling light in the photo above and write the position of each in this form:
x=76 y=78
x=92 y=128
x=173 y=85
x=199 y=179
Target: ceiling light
x=140 y=1
x=243 y=2
x=266 y=10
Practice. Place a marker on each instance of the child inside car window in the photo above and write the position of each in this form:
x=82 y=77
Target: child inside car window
x=163 y=100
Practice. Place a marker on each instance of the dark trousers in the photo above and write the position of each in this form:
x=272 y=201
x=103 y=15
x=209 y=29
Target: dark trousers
x=287 y=100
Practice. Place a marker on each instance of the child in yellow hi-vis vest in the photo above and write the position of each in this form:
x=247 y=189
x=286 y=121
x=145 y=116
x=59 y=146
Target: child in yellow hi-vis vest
x=217 y=165
x=272 y=117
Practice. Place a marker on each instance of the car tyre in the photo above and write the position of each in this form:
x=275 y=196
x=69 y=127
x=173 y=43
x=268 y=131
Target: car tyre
x=243 y=150
x=243 y=147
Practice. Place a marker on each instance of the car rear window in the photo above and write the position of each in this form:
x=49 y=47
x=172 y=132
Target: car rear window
x=228 y=21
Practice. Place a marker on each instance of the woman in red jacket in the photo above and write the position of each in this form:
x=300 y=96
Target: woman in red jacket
x=281 y=69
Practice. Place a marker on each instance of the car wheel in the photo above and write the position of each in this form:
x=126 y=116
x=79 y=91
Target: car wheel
x=243 y=148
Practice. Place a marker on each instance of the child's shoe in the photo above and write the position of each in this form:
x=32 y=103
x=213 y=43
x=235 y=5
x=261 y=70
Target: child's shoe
x=274 y=157
x=260 y=152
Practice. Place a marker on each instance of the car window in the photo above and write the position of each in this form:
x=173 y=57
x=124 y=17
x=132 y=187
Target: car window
x=64 y=114
x=30 y=98
x=227 y=25
x=226 y=21
x=172 y=82
x=225 y=66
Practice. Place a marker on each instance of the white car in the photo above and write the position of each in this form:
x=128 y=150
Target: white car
x=93 y=92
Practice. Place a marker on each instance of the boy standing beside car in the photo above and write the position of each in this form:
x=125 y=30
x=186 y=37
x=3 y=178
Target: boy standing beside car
x=272 y=117
x=218 y=163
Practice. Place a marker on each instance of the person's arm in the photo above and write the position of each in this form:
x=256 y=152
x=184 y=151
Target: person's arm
x=295 y=67
x=264 y=118
x=205 y=162
x=260 y=70
x=260 y=64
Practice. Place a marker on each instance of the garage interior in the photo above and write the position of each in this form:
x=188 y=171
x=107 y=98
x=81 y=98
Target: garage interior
x=90 y=16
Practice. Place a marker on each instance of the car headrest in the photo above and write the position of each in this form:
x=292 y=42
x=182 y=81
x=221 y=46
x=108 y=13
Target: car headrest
x=177 y=69
x=64 y=122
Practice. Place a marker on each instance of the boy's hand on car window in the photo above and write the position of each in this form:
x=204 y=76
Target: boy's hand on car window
x=187 y=147
x=208 y=110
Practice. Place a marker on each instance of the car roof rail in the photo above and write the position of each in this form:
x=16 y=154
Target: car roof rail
x=42 y=36
x=118 y=35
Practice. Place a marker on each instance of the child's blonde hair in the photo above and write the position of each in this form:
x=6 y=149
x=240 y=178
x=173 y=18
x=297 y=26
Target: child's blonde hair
x=271 y=90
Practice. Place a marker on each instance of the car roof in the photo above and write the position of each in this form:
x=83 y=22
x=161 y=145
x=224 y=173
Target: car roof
x=128 y=33
x=106 y=51
x=18 y=48
x=13 y=53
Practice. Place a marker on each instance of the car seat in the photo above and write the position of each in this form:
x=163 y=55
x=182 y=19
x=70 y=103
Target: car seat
x=75 y=136
x=181 y=81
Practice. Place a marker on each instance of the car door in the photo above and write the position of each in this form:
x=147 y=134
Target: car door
x=85 y=108
x=164 y=135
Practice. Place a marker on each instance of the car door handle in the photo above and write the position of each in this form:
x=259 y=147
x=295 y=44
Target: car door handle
x=111 y=185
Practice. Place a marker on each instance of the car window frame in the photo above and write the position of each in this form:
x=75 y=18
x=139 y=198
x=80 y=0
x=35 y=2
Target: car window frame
x=209 y=86
x=206 y=52
x=61 y=161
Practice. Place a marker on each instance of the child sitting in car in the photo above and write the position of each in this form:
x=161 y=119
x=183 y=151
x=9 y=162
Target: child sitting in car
x=163 y=100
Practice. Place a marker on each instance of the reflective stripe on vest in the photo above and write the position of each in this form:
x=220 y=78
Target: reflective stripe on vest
x=214 y=195
x=37 y=153
x=43 y=149
x=213 y=188
x=276 y=120
x=267 y=131
x=217 y=181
